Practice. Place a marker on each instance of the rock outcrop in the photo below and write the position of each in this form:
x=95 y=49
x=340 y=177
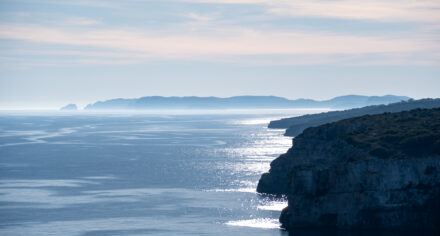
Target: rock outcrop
x=370 y=172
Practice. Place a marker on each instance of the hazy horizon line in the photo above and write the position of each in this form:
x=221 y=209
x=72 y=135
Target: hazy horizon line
x=82 y=107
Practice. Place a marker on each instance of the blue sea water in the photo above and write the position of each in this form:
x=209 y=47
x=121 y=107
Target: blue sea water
x=138 y=174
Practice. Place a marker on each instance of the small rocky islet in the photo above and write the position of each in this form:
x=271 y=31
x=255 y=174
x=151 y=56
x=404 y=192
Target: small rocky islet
x=369 y=172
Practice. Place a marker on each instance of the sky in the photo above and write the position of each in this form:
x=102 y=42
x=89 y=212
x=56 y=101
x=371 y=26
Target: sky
x=57 y=52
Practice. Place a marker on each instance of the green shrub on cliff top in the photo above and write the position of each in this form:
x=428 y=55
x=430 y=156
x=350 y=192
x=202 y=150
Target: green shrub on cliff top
x=413 y=133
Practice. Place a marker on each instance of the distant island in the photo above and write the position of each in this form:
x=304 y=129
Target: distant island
x=296 y=125
x=69 y=107
x=240 y=102
x=369 y=172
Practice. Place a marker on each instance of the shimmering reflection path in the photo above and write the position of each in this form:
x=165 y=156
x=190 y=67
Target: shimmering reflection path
x=137 y=174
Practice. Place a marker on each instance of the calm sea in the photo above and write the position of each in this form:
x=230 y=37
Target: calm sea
x=138 y=174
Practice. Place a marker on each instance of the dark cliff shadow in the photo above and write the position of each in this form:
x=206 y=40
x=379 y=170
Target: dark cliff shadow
x=329 y=232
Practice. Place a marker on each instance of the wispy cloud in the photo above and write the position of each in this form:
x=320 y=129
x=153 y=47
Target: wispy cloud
x=200 y=17
x=208 y=35
x=363 y=10
x=85 y=3
x=239 y=45
x=238 y=41
x=230 y=1
x=82 y=21
x=392 y=10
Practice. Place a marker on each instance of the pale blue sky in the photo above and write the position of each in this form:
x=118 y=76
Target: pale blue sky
x=57 y=52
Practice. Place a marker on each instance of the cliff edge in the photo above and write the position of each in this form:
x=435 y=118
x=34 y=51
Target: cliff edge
x=295 y=125
x=370 y=172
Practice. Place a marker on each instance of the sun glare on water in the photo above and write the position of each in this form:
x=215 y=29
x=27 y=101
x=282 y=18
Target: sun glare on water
x=265 y=223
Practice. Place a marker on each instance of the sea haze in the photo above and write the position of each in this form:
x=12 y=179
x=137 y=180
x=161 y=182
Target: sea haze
x=138 y=174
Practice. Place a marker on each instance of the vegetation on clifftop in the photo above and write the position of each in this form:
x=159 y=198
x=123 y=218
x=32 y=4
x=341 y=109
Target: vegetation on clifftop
x=413 y=133
x=296 y=125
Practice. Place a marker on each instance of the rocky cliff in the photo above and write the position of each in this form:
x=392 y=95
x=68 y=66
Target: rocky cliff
x=370 y=172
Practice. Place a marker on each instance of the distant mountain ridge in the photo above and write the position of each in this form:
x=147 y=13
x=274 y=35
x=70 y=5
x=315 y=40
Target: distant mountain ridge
x=240 y=102
x=296 y=125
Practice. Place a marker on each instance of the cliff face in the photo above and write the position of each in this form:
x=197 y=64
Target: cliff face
x=370 y=172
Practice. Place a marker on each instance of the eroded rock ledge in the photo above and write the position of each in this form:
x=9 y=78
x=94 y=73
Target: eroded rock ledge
x=370 y=172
